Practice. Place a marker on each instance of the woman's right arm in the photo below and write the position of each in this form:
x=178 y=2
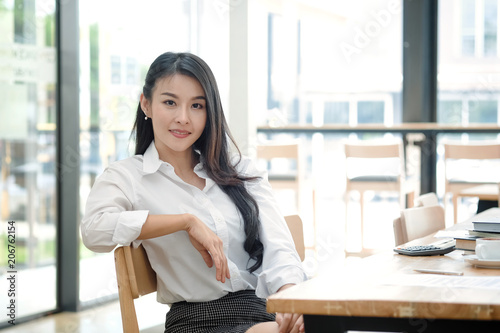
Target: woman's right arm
x=202 y=238
x=111 y=219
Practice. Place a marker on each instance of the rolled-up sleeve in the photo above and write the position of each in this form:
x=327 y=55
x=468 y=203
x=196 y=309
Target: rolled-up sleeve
x=281 y=263
x=110 y=218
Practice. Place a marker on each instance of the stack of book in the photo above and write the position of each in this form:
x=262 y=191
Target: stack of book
x=482 y=228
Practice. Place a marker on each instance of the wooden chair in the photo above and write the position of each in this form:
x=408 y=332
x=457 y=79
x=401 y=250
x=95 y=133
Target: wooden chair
x=428 y=199
x=291 y=177
x=137 y=278
x=367 y=153
x=474 y=153
x=290 y=155
x=295 y=225
x=418 y=222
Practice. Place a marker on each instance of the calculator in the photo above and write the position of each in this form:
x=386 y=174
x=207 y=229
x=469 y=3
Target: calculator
x=437 y=248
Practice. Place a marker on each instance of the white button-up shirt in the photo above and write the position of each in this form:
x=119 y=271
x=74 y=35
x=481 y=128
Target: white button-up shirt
x=129 y=190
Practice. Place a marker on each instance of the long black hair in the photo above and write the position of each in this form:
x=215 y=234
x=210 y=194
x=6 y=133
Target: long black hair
x=213 y=144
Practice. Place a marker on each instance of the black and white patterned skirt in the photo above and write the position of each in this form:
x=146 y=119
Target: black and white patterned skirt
x=234 y=313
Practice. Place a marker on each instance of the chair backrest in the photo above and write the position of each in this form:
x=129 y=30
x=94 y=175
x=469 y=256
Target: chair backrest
x=282 y=162
x=270 y=151
x=472 y=151
x=135 y=278
x=288 y=175
x=372 y=150
x=294 y=223
x=399 y=237
x=375 y=150
x=418 y=222
x=428 y=199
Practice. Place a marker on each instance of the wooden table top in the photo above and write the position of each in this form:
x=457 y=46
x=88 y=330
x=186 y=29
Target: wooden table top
x=386 y=285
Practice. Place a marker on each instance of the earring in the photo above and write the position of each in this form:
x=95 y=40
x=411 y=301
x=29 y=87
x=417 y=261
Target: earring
x=146 y=118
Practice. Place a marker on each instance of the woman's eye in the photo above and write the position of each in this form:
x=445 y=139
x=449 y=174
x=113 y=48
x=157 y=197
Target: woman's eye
x=197 y=106
x=169 y=102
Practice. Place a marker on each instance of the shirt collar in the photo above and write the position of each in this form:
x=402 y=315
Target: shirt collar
x=151 y=159
x=151 y=162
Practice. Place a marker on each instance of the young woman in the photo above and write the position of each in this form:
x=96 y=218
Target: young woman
x=206 y=217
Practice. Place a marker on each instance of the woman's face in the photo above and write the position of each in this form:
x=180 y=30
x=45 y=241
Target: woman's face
x=178 y=111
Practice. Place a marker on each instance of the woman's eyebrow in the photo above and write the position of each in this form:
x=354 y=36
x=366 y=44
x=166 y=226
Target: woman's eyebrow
x=169 y=94
x=175 y=96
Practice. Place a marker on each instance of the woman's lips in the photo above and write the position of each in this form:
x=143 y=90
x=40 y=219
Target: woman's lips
x=179 y=133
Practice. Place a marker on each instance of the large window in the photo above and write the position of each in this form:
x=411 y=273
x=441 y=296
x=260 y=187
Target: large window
x=327 y=62
x=28 y=157
x=468 y=75
x=469 y=63
x=334 y=61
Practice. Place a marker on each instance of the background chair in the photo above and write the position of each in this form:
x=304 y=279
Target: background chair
x=418 y=222
x=390 y=176
x=137 y=278
x=284 y=165
x=294 y=223
x=428 y=199
x=466 y=166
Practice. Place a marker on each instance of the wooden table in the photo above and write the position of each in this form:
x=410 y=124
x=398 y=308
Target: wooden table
x=428 y=145
x=383 y=292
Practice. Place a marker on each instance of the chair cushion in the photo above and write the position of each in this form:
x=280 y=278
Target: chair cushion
x=282 y=177
x=374 y=179
x=471 y=182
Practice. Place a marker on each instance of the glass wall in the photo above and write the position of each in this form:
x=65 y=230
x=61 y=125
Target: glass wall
x=328 y=62
x=28 y=155
x=468 y=62
x=115 y=53
x=331 y=63
x=468 y=73
x=334 y=62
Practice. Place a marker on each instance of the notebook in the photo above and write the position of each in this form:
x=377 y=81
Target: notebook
x=487 y=224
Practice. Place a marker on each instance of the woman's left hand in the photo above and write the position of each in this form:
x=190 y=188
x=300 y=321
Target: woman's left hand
x=290 y=322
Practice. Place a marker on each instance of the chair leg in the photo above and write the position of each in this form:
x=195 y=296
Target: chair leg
x=314 y=219
x=297 y=200
x=411 y=200
x=455 y=207
x=361 y=209
x=346 y=224
x=127 y=308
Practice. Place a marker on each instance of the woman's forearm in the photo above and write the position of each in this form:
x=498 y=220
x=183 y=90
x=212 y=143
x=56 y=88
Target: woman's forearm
x=286 y=286
x=161 y=225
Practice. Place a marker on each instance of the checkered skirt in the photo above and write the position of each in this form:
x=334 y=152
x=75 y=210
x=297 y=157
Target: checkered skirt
x=234 y=313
